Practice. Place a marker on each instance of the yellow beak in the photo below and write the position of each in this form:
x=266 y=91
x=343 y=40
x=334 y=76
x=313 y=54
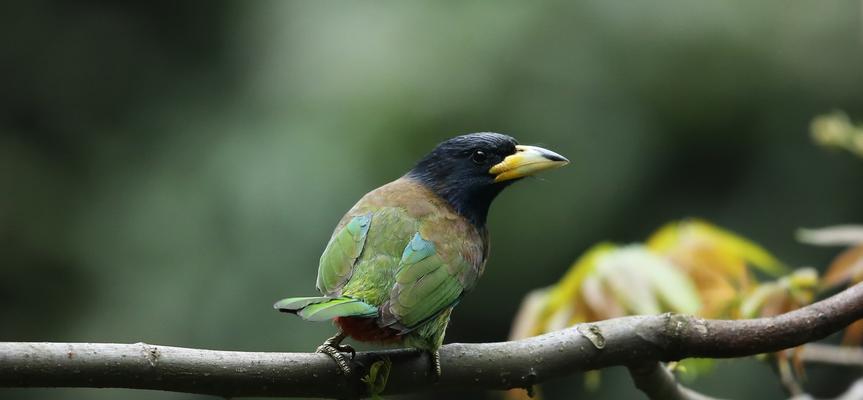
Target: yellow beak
x=527 y=160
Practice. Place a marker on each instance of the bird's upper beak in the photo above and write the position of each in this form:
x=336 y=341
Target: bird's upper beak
x=526 y=161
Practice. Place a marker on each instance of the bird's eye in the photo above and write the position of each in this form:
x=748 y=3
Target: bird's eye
x=479 y=157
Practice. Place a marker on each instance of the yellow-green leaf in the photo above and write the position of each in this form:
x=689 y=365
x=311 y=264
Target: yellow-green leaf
x=376 y=380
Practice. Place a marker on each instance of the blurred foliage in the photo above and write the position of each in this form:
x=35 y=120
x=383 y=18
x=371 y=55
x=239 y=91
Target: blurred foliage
x=836 y=130
x=169 y=169
x=689 y=267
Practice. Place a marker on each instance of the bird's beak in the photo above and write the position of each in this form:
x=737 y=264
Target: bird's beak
x=527 y=160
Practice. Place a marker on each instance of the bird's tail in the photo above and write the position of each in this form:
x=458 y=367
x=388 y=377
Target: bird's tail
x=326 y=308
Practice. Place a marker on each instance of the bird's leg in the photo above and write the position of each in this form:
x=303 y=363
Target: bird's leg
x=435 y=365
x=336 y=341
x=333 y=347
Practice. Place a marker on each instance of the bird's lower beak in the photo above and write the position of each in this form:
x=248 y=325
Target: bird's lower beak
x=526 y=161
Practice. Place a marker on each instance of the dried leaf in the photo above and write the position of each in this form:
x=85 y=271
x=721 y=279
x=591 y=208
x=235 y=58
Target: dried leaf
x=846 y=268
x=853 y=334
x=718 y=292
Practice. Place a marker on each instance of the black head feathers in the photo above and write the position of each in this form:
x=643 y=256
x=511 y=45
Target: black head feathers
x=458 y=171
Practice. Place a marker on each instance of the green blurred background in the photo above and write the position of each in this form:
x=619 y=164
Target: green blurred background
x=169 y=169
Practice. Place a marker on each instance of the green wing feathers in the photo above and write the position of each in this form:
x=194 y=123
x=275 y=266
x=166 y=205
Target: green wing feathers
x=425 y=284
x=294 y=304
x=326 y=308
x=342 y=252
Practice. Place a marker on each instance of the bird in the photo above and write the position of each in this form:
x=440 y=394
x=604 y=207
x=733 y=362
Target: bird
x=407 y=252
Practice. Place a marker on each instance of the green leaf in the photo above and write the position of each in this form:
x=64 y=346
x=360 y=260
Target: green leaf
x=376 y=380
x=592 y=380
x=692 y=368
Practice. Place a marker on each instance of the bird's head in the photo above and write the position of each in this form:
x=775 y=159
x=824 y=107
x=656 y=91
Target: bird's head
x=470 y=170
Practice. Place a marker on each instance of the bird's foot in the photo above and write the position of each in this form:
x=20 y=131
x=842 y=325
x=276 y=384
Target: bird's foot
x=335 y=342
x=333 y=348
x=435 y=365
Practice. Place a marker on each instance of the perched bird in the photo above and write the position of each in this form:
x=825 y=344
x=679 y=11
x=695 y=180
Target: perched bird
x=405 y=254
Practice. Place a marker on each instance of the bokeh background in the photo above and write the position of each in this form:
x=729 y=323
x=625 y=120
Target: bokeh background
x=169 y=169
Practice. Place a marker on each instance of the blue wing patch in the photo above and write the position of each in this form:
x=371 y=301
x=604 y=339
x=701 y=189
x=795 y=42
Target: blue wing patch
x=359 y=227
x=417 y=250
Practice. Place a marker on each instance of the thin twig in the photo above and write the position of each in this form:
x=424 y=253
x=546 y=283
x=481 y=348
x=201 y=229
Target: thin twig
x=854 y=392
x=838 y=235
x=818 y=353
x=658 y=383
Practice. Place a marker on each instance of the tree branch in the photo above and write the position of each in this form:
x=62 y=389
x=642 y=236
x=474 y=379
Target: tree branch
x=494 y=366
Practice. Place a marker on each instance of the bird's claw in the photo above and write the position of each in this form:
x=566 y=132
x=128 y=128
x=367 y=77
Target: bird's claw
x=435 y=365
x=346 y=348
x=335 y=353
x=333 y=348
